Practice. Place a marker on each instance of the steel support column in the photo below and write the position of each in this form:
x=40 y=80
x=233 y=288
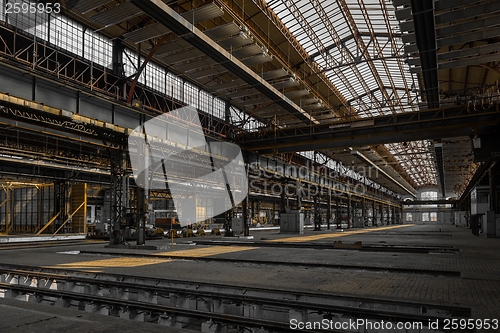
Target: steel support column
x=142 y=198
x=354 y=212
x=252 y=210
x=299 y=199
x=283 y=200
x=257 y=209
x=317 y=215
x=363 y=213
x=328 y=209
x=348 y=211
x=119 y=196
x=117 y=57
x=381 y=207
x=62 y=202
x=273 y=215
x=492 y=183
x=244 y=209
x=7 y=204
x=338 y=214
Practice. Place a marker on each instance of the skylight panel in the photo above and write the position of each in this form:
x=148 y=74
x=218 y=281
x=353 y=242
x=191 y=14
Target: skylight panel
x=323 y=34
x=366 y=72
x=311 y=15
x=281 y=10
x=320 y=61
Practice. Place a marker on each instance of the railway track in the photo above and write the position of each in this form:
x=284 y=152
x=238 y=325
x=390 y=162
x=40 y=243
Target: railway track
x=401 y=270
x=206 y=307
x=29 y=245
x=329 y=246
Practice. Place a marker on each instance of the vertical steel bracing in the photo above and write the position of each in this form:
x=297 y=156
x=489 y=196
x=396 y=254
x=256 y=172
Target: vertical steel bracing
x=119 y=194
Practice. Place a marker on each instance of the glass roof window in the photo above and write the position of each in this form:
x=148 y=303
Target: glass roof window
x=353 y=64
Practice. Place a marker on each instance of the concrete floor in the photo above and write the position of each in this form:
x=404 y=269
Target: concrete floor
x=363 y=273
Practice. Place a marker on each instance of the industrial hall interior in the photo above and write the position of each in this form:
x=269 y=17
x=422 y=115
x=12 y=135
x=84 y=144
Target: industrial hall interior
x=253 y=166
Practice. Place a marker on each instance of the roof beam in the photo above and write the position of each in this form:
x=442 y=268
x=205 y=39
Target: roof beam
x=425 y=35
x=421 y=125
x=475 y=51
x=465 y=57
x=468 y=37
x=489 y=7
x=469 y=61
x=175 y=22
x=438 y=148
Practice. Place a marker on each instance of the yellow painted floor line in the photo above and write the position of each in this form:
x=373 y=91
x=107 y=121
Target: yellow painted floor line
x=112 y=262
x=206 y=251
x=299 y=239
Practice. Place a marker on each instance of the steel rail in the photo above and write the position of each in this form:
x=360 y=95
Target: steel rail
x=434 y=272
x=238 y=298
x=29 y=245
x=329 y=246
x=150 y=307
x=421 y=125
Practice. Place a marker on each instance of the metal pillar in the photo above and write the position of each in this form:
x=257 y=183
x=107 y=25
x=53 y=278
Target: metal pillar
x=7 y=204
x=354 y=213
x=328 y=209
x=348 y=211
x=493 y=196
x=363 y=213
x=257 y=209
x=141 y=195
x=381 y=207
x=337 y=213
x=299 y=201
x=67 y=202
x=228 y=218
x=374 y=218
x=317 y=215
x=119 y=193
x=227 y=112
x=62 y=202
x=252 y=210
x=244 y=208
x=283 y=202
x=273 y=214
x=117 y=57
x=120 y=190
x=468 y=210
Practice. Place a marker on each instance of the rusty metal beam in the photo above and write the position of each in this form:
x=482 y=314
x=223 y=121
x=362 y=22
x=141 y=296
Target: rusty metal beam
x=180 y=26
x=48 y=223
x=421 y=125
